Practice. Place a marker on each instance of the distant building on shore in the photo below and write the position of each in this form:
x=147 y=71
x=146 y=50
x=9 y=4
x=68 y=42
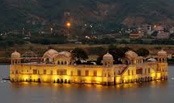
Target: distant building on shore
x=163 y=35
x=136 y=35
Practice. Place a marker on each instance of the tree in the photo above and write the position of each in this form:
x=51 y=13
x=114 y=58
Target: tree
x=142 y=52
x=79 y=54
x=99 y=60
x=96 y=50
x=117 y=52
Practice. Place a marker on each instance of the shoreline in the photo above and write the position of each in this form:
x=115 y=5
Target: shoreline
x=170 y=64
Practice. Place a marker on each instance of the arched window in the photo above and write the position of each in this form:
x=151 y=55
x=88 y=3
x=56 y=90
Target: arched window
x=118 y=71
x=105 y=63
x=51 y=72
x=16 y=71
x=44 y=72
x=47 y=60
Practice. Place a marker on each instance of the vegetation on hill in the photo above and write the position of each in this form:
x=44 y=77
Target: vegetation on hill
x=32 y=14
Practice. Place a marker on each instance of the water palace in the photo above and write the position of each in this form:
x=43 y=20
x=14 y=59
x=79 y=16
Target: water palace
x=60 y=67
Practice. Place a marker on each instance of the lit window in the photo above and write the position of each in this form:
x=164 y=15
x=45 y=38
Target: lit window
x=118 y=71
x=71 y=73
x=139 y=71
x=58 y=72
x=79 y=73
x=128 y=72
x=64 y=72
x=44 y=72
x=148 y=70
x=95 y=73
x=34 y=71
x=86 y=73
x=51 y=72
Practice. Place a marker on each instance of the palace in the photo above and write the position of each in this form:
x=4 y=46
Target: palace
x=60 y=67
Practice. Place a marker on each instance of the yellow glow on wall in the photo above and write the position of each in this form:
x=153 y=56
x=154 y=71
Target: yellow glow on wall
x=26 y=73
x=118 y=79
x=45 y=78
x=98 y=79
x=88 y=79
x=66 y=77
x=26 y=77
x=153 y=75
x=158 y=75
x=55 y=77
x=34 y=77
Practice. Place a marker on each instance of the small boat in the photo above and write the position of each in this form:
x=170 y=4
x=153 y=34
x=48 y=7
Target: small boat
x=5 y=79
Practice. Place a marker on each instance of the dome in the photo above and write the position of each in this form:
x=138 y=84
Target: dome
x=162 y=53
x=131 y=54
x=15 y=55
x=151 y=60
x=65 y=53
x=50 y=53
x=107 y=56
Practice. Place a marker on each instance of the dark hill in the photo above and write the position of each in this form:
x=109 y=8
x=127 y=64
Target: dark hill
x=26 y=13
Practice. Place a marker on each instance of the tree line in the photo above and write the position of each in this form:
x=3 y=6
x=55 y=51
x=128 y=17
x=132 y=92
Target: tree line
x=117 y=53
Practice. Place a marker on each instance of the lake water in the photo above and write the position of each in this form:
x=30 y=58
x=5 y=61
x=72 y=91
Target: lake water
x=154 y=92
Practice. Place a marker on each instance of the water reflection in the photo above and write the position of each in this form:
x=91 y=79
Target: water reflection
x=149 y=92
x=89 y=86
x=75 y=93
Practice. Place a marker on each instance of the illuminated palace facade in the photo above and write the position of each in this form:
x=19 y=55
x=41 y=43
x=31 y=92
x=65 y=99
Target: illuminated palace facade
x=60 y=67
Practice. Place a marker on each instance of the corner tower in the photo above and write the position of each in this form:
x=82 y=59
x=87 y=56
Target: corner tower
x=162 y=56
x=108 y=60
x=15 y=58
